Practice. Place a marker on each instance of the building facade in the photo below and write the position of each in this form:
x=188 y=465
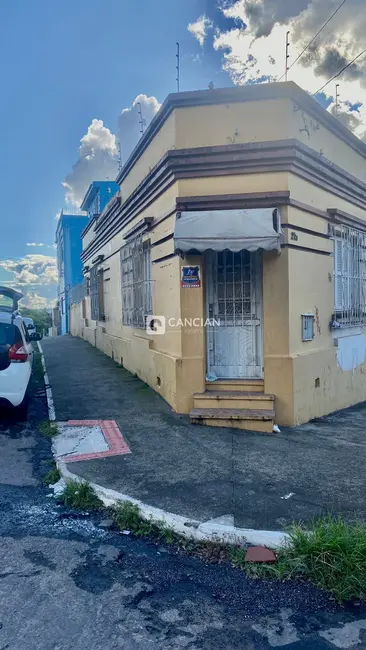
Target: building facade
x=98 y=195
x=229 y=272
x=69 y=265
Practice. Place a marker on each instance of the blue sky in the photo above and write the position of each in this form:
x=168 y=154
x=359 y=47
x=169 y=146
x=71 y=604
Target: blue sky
x=65 y=64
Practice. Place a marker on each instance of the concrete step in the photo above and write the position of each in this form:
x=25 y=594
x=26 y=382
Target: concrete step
x=237 y=399
x=251 y=385
x=247 y=419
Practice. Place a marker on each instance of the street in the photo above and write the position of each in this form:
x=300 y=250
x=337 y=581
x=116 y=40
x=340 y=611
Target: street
x=68 y=584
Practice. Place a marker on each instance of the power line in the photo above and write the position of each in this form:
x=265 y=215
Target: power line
x=315 y=37
x=340 y=72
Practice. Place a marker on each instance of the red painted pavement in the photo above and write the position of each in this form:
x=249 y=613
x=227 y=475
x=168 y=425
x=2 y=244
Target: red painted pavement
x=114 y=438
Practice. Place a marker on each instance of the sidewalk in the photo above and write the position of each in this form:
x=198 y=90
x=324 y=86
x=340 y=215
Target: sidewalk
x=204 y=473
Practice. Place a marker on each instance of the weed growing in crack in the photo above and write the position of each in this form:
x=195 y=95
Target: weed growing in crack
x=38 y=369
x=81 y=496
x=52 y=476
x=330 y=553
x=48 y=429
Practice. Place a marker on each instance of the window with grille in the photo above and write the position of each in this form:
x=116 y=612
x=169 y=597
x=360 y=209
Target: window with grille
x=94 y=293
x=350 y=275
x=136 y=282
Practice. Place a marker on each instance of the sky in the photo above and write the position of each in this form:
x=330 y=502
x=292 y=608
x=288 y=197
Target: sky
x=72 y=73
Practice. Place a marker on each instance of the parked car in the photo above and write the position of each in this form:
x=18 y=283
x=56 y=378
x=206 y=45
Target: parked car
x=16 y=352
x=29 y=324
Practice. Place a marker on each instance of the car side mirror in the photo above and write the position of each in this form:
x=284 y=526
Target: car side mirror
x=35 y=337
x=30 y=327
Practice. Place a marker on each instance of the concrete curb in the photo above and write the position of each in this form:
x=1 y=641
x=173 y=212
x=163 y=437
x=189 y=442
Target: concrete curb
x=50 y=403
x=202 y=531
x=211 y=530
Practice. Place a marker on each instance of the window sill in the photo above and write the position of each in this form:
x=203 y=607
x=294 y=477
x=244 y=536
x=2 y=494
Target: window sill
x=347 y=330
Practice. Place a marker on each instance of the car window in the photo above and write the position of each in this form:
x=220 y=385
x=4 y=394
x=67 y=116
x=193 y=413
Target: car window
x=25 y=332
x=9 y=334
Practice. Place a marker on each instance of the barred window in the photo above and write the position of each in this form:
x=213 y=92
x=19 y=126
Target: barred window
x=94 y=293
x=350 y=275
x=136 y=282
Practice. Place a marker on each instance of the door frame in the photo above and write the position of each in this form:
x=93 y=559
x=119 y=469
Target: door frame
x=257 y=261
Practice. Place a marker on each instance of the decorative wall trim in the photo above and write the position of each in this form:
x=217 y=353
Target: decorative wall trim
x=164 y=258
x=142 y=226
x=306 y=249
x=289 y=156
x=338 y=216
x=162 y=240
x=308 y=208
x=306 y=231
x=257 y=92
x=233 y=201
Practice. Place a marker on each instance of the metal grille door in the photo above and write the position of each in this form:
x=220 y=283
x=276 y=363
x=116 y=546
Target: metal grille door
x=233 y=302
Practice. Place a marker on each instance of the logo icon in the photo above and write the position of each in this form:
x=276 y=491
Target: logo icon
x=155 y=325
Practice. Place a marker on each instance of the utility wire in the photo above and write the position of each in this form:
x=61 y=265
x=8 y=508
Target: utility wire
x=340 y=72
x=315 y=37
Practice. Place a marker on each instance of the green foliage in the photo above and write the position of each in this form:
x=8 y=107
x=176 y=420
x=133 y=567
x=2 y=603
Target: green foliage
x=80 y=495
x=38 y=370
x=332 y=555
x=52 y=476
x=48 y=429
x=41 y=317
x=127 y=517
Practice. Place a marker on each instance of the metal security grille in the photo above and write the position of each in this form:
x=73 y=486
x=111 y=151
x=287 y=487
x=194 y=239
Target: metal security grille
x=94 y=293
x=136 y=282
x=233 y=296
x=77 y=293
x=233 y=279
x=349 y=275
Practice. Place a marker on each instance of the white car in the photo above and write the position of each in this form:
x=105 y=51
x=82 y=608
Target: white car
x=16 y=353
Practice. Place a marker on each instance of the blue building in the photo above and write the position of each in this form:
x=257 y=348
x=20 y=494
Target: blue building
x=70 y=274
x=98 y=195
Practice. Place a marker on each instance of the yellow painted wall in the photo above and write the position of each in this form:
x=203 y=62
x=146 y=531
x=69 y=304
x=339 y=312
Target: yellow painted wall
x=163 y=142
x=236 y=123
x=323 y=380
x=310 y=132
x=294 y=282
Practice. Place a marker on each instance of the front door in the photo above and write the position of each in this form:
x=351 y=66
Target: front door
x=234 y=306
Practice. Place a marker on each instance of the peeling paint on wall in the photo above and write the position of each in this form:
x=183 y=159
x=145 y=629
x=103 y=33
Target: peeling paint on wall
x=351 y=351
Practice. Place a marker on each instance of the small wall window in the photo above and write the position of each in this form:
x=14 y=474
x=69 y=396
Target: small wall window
x=307 y=321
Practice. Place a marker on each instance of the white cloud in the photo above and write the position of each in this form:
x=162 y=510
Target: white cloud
x=98 y=160
x=32 y=270
x=34 y=244
x=200 y=28
x=257 y=51
x=129 y=122
x=33 y=300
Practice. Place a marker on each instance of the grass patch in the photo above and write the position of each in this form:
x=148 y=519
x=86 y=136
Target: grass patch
x=38 y=370
x=52 y=476
x=332 y=555
x=48 y=429
x=81 y=496
x=127 y=517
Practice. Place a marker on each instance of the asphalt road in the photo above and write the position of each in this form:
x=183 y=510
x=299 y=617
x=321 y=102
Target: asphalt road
x=68 y=584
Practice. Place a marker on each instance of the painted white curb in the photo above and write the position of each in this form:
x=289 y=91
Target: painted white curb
x=50 y=403
x=200 y=530
x=208 y=530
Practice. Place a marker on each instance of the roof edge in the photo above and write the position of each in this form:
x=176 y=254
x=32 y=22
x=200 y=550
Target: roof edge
x=289 y=90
